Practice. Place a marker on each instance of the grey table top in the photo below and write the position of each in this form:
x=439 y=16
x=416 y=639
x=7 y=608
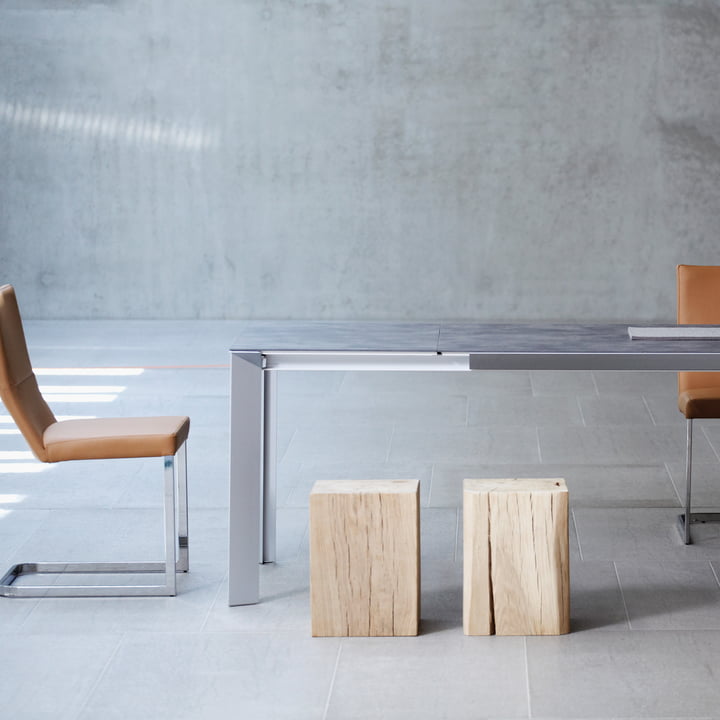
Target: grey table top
x=336 y=336
x=456 y=337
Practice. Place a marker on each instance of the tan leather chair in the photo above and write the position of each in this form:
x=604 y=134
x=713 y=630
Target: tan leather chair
x=52 y=441
x=698 y=303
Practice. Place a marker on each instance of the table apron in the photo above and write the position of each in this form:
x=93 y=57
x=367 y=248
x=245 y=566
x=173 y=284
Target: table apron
x=675 y=362
x=362 y=360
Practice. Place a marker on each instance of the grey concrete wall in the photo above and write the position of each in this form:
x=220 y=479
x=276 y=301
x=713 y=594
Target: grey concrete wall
x=370 y=159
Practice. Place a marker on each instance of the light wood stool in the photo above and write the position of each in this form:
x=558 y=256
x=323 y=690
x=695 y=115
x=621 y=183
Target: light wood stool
x=365 y=557
x=516 y=567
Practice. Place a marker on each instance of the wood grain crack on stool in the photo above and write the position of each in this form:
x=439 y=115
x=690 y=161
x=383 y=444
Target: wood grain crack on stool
x=516 y=564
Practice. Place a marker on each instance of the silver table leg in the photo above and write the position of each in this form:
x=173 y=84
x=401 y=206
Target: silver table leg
x=246 y=477
x=269 y=467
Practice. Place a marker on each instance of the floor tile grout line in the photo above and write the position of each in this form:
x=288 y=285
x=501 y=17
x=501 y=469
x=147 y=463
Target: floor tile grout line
x=647 y=407
x=578 y=399
x=332 y=682
x=527 y=676
x=622 y=595
x=537 y=440
x=712 y=447
x=672 y=482
x=101 y=675
x=714 y=572
x=430 y=485
x=457 y=534
x=215 y=600
x=577 y=534
x=29 y=615
x=390 y=443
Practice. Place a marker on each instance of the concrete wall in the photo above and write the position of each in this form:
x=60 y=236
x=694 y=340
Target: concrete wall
x=357 y=159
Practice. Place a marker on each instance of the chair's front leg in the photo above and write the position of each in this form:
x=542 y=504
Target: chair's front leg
x=688 y=485
x=170 y=534
x=183 y=563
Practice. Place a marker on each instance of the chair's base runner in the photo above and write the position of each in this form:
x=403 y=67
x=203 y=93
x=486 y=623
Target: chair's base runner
x=9 y=589
x=695 y=519
x=176 y=553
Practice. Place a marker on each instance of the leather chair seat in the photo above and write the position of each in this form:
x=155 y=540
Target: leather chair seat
x=106 y=438
x=699 y=403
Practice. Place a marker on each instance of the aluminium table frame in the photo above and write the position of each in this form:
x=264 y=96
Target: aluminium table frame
x=253 y=433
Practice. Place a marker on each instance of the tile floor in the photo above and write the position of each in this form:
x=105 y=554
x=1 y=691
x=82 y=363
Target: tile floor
x=645 y=638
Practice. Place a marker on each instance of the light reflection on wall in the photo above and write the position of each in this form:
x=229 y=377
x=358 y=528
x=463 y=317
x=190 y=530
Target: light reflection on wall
x=134 y=131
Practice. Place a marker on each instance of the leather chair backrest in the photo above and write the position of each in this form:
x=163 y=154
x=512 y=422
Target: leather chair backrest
x=18 y=386
x=698 y=303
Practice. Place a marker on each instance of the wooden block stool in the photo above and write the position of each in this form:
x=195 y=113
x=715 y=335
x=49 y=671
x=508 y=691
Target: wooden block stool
x=516 y=567
x=365 y=557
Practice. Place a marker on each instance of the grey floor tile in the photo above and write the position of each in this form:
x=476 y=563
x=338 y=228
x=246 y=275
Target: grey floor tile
x=670 y=595
x=640 y=534
x=705 y=482
x=490 y=382
x=615 y=410
x=434 y=410
x=571 y=383
x=122 y=534
x=664 y=409
x=333 y=443
x=215 y=676
x=402 y=678
x=588 y=485
x=207 y=471
x=14 y=611
x=623 y=382
x=466 y=445
x=309 y=383
x=441 y=595
x=43 y=677
x=614 y=445
x=439 y=534
x=624 y=675
x=284 y=603
x=187 y=612
x=309 y=473
x=596 y=601
x=711 y=430
x=292 y=538
x=17 y=525
x=513 y=410
x=620 y=486
x=97 y=534
x=87 y=484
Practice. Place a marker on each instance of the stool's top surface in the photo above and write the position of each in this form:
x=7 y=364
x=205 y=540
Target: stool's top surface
x=366 y=487
x=514 y=485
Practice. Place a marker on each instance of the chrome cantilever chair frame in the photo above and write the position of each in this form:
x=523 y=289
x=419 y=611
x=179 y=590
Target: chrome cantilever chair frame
x=698 y=302
x=686 y=519
x=176 y=552
x=696 y=518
